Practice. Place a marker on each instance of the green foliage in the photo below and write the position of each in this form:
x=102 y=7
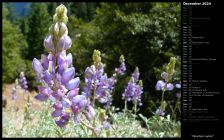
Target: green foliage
x=12 y=42
x=10 y=14
x=5 y=11
x=147 y=34
x=83 y=10
x=162 y=126
x=122 y=125
x=51 y=8
x=30 y=75
x=39 y=20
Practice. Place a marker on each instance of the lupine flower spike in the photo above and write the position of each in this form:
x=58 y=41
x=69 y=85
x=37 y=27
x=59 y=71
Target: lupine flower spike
x=165 y=85
x=14 y=90
x=56 y=75
x=97 y=84
x=133 y=91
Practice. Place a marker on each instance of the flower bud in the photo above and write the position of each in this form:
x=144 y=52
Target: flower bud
x=56 y=29
x=96 y=58
x=171 y=66
x=165 y=76
x=140 y=83
x=121 y=59
x=61 y=10
x=62 y=30
x=61 y=14
x=102 y=115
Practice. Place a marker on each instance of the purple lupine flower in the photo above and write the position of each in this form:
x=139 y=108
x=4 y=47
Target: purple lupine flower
x=56 y=74
x=136 y=74
x=104 y=90
x=80 y=104
x=121 y=70
x=23 y=81
x=133 y=91
x=160 y=112
x=14 y=90
x=161 y=85
x=96 y=81
x=178 y=95
x=169 y=86
x=106 y=125
x=63 y=120
x=178 y=85
x=58 y=109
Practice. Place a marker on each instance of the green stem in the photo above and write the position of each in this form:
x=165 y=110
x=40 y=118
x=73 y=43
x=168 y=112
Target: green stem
x=162 y=96
x=84 y=130
x=94 y=93
x=125 y=107
x=176 y=104
x=171 y=109
x=90 y=127
x=163 y=91
x=135 y=109
x=174 y=110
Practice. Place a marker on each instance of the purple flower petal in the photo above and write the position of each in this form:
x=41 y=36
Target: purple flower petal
x=68 y=42
x=83 y=103
x=75 y=108
x=106 y=125
x=65 y=116
x=73 y=93
x=37 y=66
x=58 y=94
x=68 y=74
x=159 y=85
x=76 y=119
x=65 y=102
x=47 y=76
x=44 y=61
x=58 y=106
x=169 y=86
x=41 y=97
x=65 y=42
x=61 y=59
x=178 y=95
x=178 y=85
x=60 y=123
x=72 y=84
x=56 y=113
x=77 y=99
x=48 y=43
x=44 y=90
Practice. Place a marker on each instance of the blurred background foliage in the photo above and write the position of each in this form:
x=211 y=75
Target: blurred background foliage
x=146 y=33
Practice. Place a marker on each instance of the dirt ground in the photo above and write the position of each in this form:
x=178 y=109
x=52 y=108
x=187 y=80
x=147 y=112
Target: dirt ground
x=21 y=99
